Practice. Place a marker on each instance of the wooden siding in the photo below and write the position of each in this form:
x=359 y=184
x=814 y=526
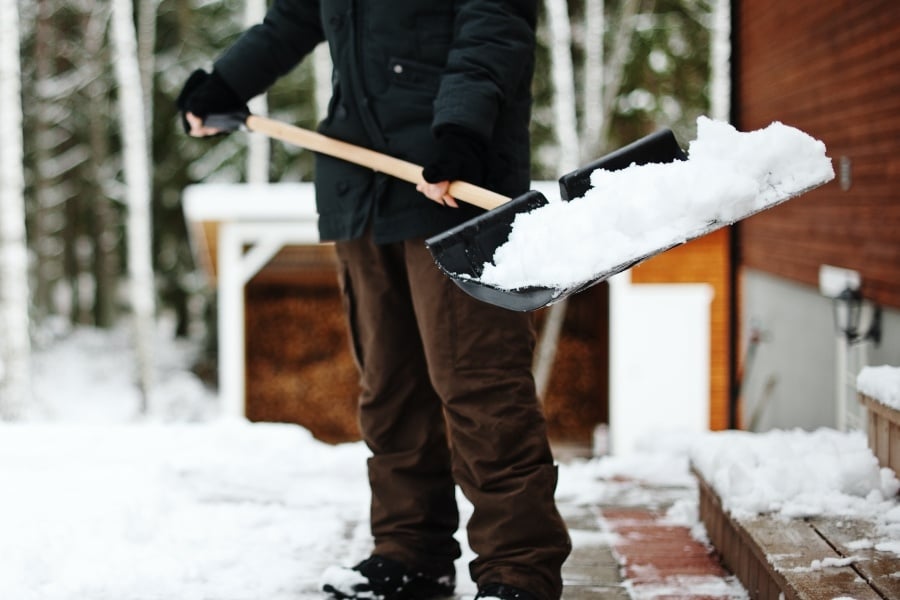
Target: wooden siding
x=704 y=260
x=831 y=68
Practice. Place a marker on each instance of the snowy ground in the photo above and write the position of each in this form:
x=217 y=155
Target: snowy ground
x=99 y=503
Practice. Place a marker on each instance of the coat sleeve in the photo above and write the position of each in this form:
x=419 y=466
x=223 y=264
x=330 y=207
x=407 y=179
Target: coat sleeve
x=265 y=52
x=490 y=60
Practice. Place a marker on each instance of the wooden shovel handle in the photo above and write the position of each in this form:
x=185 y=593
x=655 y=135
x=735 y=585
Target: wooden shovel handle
x=365 y=157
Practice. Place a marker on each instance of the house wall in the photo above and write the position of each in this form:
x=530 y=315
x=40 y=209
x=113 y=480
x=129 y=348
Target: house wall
x=831 y=68
x=790 y=377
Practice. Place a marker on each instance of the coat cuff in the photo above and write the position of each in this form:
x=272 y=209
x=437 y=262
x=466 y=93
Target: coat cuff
x=470 y=109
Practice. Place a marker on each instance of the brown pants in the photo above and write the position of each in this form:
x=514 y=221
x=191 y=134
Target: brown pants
x=448 y=399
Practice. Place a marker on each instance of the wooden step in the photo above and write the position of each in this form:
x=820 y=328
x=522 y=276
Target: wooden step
x=799 y=559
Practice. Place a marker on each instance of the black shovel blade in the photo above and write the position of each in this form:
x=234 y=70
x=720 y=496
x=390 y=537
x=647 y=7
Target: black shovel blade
x=658 y=147
x=461 y=252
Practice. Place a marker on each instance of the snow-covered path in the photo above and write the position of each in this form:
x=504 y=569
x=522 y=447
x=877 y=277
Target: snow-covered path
x=223 y=510
x=229 y=510
x=96 y=504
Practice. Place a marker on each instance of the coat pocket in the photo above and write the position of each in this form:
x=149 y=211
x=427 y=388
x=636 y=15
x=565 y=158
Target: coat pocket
x=414 y=76
x=344 y=197
x=406 y=108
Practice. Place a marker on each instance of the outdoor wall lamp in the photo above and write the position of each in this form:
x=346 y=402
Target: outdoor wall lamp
x=857 y=318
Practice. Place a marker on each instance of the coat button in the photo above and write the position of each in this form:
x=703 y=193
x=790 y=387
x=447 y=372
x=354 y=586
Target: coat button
x=343 y=187
x=341 y=112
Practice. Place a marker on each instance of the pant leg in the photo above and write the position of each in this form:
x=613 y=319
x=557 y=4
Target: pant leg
x=413 y=512
x=480 y=359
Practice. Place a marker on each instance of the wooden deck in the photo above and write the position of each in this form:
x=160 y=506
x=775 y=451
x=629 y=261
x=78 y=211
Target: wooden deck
x=799 y=559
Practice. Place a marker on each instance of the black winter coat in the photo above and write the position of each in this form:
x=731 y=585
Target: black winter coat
x=401 y=69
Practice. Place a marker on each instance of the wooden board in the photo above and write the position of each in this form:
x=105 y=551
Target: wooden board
x=879 y=569
x=782 y=559
x=793 y=548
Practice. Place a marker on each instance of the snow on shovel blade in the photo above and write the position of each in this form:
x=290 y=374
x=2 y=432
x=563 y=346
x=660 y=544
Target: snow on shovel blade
x=461 y=252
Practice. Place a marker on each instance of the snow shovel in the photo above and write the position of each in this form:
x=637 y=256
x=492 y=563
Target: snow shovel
x=462 y=251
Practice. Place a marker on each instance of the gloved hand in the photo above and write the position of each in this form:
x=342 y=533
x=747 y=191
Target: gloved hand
x=462 y=156
x=205 y=94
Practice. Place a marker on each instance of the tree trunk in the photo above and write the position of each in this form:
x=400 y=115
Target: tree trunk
x=592 y=106
x=258 y=145
x=146 y=47
x=563 y=76
x=73 y=261
x=618 y=59
x=720 y=61
x=104 y=229
x=137 y=181
x=15 y=345
x=45 y=210
x=566 y=128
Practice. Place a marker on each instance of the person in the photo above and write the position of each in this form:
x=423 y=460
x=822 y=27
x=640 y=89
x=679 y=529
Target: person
x=447 y=393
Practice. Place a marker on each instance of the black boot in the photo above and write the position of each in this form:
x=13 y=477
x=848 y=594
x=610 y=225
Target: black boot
x=380 y=578
x=499 y=591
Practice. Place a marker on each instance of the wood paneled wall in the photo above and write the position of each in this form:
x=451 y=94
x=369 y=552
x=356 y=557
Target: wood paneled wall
x=831 y=68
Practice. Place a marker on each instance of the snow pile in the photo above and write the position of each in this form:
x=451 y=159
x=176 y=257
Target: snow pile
x=614 y=477
x=342 y=578
x=224 y=510
x=629 y=213
x=88 y=375
x=881 y=384
x=795 y=474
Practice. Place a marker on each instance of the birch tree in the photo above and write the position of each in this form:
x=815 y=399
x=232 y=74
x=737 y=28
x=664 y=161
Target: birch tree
x=137 y=181
x=15 y=346
x=259 y=147
x=603 y=76
x=565 y=127
x=594 y=51
x=563 y=75
x=146 y=47
x=612 y=66
x=720 y=61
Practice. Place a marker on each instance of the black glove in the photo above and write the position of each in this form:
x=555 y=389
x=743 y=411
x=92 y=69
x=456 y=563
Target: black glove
x=205 y=94
x=461 y=156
